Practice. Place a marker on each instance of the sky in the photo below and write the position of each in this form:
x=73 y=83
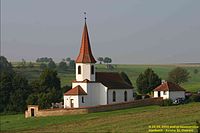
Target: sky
x=128 y=31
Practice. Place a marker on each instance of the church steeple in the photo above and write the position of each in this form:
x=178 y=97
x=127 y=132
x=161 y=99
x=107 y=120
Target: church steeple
x=85 y=62
x=85 y=54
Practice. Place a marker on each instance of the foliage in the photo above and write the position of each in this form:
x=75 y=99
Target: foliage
x=62 y=66
x=147 y=81
x=107 y=60
x=194 y=98
x=43 y=66
x=72 y=64
x=52 y=64
x=167 y=102
x=178 y=75
x=44 y=59
x=196 y=71
x=5 y=65
x=31 y=65
x=126 y=78
x=100 y=59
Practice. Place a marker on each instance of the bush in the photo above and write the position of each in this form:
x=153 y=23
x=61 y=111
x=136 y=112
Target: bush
x=138 y=97
x=146 y=96
x=167 y=102
x=195 y=98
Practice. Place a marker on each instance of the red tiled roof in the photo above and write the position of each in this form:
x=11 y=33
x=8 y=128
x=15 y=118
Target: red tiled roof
x=169 y=86
x=78 y=90
x=112 y=80
x=85 y=55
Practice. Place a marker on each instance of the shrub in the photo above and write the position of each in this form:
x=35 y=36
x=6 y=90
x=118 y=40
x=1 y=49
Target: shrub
x=146 y=96
x=138 y=97
x=167 y=102
x=195 y=98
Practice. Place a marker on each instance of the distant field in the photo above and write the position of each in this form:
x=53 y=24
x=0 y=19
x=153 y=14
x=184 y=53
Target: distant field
x=132 y=71
x=127 y=120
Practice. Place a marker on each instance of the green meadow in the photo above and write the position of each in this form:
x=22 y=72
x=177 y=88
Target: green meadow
x=131 y=70
x=127 y=120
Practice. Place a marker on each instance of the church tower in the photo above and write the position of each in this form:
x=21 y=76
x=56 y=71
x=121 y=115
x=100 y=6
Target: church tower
x=85 y=62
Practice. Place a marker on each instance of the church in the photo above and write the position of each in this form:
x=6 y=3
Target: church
x=93 y=88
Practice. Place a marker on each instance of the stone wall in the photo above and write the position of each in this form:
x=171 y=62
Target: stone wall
x=85 y=110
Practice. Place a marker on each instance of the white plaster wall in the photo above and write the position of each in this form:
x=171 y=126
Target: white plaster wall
x=96 y=93
x=119 y=95
x=165 y=96
x=85 y=72
x=83 y=85
x=177 y=94
x=67 y=103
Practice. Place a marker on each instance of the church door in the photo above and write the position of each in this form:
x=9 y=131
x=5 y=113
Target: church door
x=32 y=112
x=158 y=93
x=72 y=103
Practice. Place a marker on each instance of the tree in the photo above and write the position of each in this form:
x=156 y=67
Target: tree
x=62 y=65
x=72 y=64
x=5 y=65
x=196 y=71
x=178 y=75
x=68 y=59
x=19 y=94
x=31 y=65
x=147 y=81
x=100 y=59
x=107 y=60
x=52 y=65
x=126 y=78
x=43 y=66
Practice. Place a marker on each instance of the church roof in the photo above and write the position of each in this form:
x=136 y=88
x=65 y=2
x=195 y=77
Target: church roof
x=112 y=80
x=85 y=54
x=78 y=90
x=169 y=86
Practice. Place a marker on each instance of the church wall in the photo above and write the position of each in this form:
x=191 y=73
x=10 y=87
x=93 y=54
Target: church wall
x=119 y=95
x=67 y=101
x=96 y=94
x=85 y=72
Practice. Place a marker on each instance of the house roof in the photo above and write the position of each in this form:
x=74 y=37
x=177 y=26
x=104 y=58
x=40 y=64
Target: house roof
x=112 y=80
x=169 y=86
x=85 y=54
x=78 y=90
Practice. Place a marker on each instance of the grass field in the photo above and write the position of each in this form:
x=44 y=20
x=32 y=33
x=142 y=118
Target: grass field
x=132 y=71
x=127 y=120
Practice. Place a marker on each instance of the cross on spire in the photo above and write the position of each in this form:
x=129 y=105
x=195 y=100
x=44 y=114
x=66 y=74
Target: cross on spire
x=85 y=16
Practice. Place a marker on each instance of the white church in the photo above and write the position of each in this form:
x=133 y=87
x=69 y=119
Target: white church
x=93 y=88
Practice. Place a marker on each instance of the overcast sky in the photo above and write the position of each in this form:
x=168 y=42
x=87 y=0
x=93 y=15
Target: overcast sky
x=128 y=31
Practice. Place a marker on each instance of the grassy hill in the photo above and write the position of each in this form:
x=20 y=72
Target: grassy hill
x=127 y=120
x=132 y=71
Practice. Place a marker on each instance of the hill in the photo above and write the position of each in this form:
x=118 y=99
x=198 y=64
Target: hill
x=127 y=120
x=132 y=71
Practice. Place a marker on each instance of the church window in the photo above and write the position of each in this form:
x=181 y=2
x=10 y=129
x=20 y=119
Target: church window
x=92 y=69
x=125 y=96
x=82 y=99
x=79 y=69
x=114 y=96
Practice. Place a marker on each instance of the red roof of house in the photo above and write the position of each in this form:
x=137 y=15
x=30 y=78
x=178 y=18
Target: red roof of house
x=112 y=80
x=85 y=54
x=78 y=90
x=169 y=86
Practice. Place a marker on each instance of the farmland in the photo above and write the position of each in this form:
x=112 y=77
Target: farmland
x=132 y=71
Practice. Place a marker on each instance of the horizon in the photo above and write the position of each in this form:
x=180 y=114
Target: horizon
x=131 y=32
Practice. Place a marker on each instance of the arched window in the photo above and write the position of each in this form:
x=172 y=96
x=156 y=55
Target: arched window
x=92 y=69
x=114 y=96
x=79 y=69
x=82 y=99
x=125 y=96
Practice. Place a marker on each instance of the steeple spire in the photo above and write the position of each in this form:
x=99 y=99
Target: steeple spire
x=85 y=54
